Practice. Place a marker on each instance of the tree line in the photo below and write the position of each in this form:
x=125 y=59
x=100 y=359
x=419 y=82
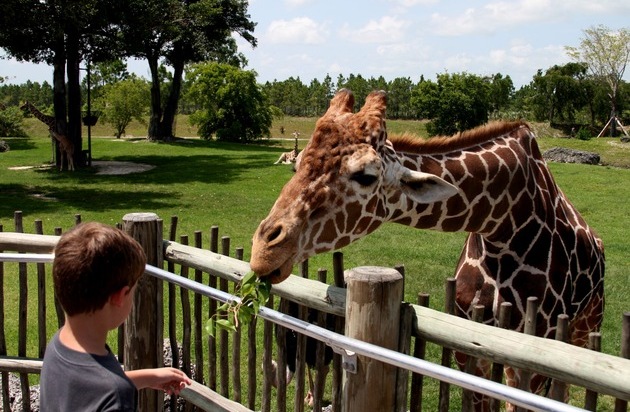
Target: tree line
x=226 y=102
x=562 y=95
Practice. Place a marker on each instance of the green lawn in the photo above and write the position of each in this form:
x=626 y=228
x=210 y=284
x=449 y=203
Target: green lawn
x=233 y=186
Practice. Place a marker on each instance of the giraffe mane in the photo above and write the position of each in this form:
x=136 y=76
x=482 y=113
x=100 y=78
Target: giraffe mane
x=410 y=143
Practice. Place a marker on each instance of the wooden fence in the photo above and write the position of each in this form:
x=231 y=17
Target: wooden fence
x=229 y=366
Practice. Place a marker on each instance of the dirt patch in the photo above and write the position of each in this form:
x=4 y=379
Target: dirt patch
x=107 y=167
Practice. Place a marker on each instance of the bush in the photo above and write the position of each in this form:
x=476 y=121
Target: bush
x=11 y=123
x=583 y=134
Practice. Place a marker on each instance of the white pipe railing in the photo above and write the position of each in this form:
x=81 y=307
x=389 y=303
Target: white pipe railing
x=349 y=345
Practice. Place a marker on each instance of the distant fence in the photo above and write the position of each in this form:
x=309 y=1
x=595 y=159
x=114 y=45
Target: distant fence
x=216 y=362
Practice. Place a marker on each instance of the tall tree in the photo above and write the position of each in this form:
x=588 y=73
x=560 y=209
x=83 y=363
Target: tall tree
x=233 y=106
x=61 y=34
x=458 y=102
x=606 y=52
x=177 y=33
x=399 y=98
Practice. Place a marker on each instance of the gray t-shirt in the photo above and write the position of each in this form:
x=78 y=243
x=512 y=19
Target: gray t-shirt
x=78 y=381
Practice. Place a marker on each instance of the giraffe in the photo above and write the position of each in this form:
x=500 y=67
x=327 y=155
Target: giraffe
x=525 y=237
x=66 y=148
x=290 y=157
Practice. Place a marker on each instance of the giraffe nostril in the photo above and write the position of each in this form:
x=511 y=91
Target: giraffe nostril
x=274 y=234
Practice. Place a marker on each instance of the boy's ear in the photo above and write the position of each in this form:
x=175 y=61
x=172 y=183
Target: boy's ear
x=117 y=298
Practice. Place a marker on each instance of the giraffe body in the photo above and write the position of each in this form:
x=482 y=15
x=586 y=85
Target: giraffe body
x=287 y=157
x=290 y=157
x=66 y=148
x=525 y=237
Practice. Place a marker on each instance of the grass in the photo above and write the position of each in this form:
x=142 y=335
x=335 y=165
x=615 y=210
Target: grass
x=206 y=183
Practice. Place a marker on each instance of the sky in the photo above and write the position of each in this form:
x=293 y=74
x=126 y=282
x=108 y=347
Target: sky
x=403 y=38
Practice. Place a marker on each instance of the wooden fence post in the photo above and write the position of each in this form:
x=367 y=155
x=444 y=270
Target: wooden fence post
x=372 y=315
x=143 y=343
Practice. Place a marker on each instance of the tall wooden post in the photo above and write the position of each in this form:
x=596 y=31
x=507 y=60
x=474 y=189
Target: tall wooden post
x=372 y=315
x=143 y=340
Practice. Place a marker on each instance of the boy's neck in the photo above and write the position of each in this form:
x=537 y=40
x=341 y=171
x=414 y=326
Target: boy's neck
x=84 y=333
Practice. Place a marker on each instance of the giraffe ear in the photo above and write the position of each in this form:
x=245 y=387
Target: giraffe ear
x=423 y=187
x=341 y=103
x=375 y=104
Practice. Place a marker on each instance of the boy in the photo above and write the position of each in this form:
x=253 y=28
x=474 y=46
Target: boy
x=95 y=271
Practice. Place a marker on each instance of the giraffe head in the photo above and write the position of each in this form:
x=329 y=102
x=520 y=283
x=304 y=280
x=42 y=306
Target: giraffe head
x=348 y=181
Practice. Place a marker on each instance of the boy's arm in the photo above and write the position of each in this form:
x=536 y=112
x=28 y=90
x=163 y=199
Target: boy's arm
x=169 y=380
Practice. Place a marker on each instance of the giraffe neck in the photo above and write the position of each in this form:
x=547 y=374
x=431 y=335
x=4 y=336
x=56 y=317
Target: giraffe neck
x=48 y=120
x=499 y=186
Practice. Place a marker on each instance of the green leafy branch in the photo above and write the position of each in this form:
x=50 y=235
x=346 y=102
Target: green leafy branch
x=253 y=294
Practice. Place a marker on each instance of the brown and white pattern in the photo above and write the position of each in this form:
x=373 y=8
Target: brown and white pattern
x=66 y=148
x=525 y=238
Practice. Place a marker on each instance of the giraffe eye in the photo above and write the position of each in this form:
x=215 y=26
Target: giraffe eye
x=363 y=179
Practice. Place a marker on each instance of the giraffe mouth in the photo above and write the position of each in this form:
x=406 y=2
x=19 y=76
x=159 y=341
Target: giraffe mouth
x=276 y=276
x=279 y=274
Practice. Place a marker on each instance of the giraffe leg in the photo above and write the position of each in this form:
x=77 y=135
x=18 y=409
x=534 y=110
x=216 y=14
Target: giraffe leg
x=70 y=161
x=480 y=403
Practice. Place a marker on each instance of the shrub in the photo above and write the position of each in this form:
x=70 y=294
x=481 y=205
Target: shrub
x=583 y=134
x=11 y=123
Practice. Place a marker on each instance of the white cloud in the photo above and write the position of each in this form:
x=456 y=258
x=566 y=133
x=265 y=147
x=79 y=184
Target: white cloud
x=300 y=30
x=387 y=29
x=296 y=3
x=411 y=3
x=496 y=15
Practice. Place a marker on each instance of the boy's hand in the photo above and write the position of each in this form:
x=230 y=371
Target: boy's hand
x=169 y=380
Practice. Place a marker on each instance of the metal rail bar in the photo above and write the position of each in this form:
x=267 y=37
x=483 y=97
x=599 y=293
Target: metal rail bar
x=349 y=345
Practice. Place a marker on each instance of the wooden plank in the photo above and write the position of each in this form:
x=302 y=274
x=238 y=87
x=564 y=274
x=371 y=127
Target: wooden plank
x=208 y=400
x=27 y=242
x=577 y=366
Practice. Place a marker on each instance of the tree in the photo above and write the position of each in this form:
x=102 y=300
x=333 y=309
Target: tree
x=457 y=102
x=233 y=106
x=122 y=102
x=399 y=98
x=501 y=91
x=178 y=33
x=11 y=122
x=606 y=52
x=61 y=34
x=560 y=93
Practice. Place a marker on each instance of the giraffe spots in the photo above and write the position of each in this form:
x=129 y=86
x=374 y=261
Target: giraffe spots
x=500 y=209
x=481 y=209
x=530 y=236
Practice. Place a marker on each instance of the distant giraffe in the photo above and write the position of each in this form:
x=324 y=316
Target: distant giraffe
x=66 y=148
x=290 y=157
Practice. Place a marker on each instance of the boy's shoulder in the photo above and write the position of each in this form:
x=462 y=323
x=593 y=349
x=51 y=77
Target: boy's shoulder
x=83 y=380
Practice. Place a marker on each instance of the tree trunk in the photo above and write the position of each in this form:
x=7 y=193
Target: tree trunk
x=170 y=109
x=156 y=104
x=74 y=92
x=59 y=92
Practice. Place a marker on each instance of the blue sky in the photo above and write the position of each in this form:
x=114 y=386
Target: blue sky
x=404 y=38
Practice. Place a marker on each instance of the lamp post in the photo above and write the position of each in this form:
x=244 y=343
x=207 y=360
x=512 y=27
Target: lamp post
x=88 y=119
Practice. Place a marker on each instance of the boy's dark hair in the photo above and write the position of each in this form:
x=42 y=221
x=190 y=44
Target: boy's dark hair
x=92 y=261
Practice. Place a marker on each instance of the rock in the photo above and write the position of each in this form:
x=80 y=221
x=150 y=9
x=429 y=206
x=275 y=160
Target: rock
x=564 y=155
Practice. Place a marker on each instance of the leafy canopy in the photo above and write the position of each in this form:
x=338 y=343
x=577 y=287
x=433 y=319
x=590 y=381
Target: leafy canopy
x=232 y=105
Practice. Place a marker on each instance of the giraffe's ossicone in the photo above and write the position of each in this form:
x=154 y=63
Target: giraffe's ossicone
x=525 y=238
